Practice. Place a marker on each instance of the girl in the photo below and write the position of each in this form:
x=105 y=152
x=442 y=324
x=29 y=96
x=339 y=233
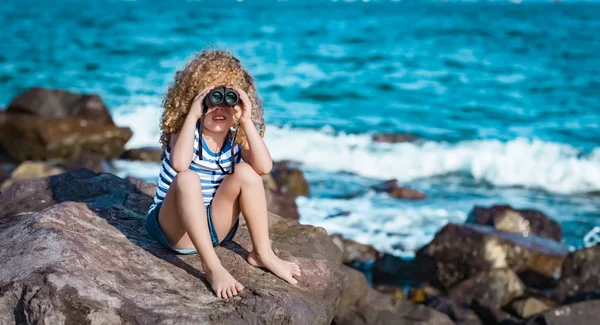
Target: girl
x=204 y=183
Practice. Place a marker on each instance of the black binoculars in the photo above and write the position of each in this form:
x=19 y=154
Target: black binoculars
x=221 y=95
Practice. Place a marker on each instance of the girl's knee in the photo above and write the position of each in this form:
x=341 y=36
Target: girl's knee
x=247 y=174
x=186 y=178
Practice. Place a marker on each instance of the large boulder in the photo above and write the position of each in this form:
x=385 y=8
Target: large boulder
x=143 y=154
x=361 y=305
x=290 y=179
x=458 y=252
x=580 y=278
x=58 y=104
x=31 y=169
x=496 y=288
x=582 y=313
x=278 y=202
x=353 y=252
x=28 y=137
x=75 y=251
x=521 y=221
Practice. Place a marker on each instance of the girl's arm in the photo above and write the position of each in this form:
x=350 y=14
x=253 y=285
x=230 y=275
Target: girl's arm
x=182 y=142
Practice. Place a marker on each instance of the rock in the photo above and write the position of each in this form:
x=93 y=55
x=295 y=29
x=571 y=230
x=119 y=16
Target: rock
x=88 y=161
x=146 y=188
x=490 y=315
x=58 y=104
x=496 y=288
x=458 y=314
x=75 y=251
x=528 y=307
x=458 y=252
x=580 y=278
x=143 y=154
x=354 y=252
x=391 y=187
x=282 y=204
x=27 y=137
x=389 y=269
x=582 y=313
x=361 y=305
x=31 y=169
x=524 y=221
x=393 y=137
x=423 y=293
x=289 y=179
x=393 y=291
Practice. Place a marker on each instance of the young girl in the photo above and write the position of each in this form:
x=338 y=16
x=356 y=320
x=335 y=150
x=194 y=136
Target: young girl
x=201 y=187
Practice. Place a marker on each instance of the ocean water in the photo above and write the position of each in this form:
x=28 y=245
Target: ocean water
x=504 y=97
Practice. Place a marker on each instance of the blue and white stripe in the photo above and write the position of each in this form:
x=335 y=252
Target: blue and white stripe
x=210 y=174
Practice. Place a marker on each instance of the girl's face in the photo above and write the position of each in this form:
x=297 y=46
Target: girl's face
x=219 y=118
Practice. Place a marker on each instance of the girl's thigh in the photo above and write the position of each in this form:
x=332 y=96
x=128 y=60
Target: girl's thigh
x=170 y=222
x=225 y=205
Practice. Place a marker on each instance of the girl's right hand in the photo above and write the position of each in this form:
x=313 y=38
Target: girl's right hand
x=196 y=108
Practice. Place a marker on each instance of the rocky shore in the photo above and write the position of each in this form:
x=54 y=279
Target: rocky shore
x=74 y=249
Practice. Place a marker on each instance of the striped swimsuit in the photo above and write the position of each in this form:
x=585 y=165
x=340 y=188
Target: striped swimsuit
x=210 y=174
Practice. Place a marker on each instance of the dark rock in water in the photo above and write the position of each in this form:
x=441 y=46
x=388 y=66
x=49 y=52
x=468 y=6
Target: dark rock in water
x=28 y=137
x=458 y=252
x=525 y=221
x=58 y=104
x=580 y=278
x=143 y=154
x=393 y=137
x=389 y=269
x=528 y=307
x=353 y=252
x=361 y=305
x=582 y=313
x=75 y=251
x=290 y=179
x=496 y=288
x=391 y=187
x=459 y=314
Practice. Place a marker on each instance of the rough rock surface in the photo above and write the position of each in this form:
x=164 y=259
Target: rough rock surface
x=580 y=278
x=458 y=252
x=31 y=169
x=290 y=179
x=496 y=288
x=353 y=251
x=526 y=221
x=361 y=305
x=75 y=251
x=279 y=203
x=582 y=313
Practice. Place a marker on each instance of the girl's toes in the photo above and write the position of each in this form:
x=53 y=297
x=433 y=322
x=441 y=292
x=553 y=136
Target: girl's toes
x=229 y=292
x=239 y=287
x=296 y=273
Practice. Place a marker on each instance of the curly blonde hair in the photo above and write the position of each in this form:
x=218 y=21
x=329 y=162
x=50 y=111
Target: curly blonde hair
x=217 y=67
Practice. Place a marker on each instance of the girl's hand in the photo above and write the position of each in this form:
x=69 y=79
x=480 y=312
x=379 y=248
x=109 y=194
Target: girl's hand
x=196 y=108
x=243 y=112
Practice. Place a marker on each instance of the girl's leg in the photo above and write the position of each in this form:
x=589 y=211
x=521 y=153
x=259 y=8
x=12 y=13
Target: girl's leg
x=182 y=218
x=244 y=190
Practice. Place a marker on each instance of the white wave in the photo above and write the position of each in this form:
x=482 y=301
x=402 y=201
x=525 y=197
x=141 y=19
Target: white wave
x=523 y=162
x=144 y=122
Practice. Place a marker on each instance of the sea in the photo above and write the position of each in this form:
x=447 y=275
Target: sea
x=504 y=97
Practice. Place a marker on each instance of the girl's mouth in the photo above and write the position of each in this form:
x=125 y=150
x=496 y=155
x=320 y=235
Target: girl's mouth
x=219 y=119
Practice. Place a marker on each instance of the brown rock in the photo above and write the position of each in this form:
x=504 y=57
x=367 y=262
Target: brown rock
x=393 y=137
x=392 y=188
x=31 y=169
x=90 y=260
x=458 y=252
x=524 y=222
x=58 y=104
x=423 y=293
x=282 y=204
x=528 y=307
x=143 y=154
x=582 y=313
x=354 y=252
x=361 y=305
x=289 y=179
x=457 y=313
x=580 y=278
x=27 y=137
x=493 y=316
x=146 y=188
x=496 y=288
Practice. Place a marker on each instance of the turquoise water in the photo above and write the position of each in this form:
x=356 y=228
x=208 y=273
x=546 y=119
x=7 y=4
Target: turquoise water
x=505 y=97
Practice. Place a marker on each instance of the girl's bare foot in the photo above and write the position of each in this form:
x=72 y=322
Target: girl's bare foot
x=283 y=269
x=222 y=283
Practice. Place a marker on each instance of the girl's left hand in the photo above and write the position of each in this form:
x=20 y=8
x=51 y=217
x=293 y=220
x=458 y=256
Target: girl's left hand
x=243 y=112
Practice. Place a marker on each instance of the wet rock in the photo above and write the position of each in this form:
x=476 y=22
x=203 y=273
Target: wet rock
x=528 y=307
x=389 y=269
x=58 y=104
x=524 y=221
x=75 y=251
x=459 y=252
x=361 y=305
x=496 y=288
x=28 y=137
x=31 y=169
x=457 y=313
x=290 y=179
x=353 y=252
x=391 y=187
x=580 y=278
x=582 y=313
x=393 y=137
x=143 y=154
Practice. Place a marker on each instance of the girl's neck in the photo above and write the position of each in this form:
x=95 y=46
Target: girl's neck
x=215 y=138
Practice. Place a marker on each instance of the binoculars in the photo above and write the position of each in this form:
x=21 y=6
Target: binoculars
x=221 y=95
